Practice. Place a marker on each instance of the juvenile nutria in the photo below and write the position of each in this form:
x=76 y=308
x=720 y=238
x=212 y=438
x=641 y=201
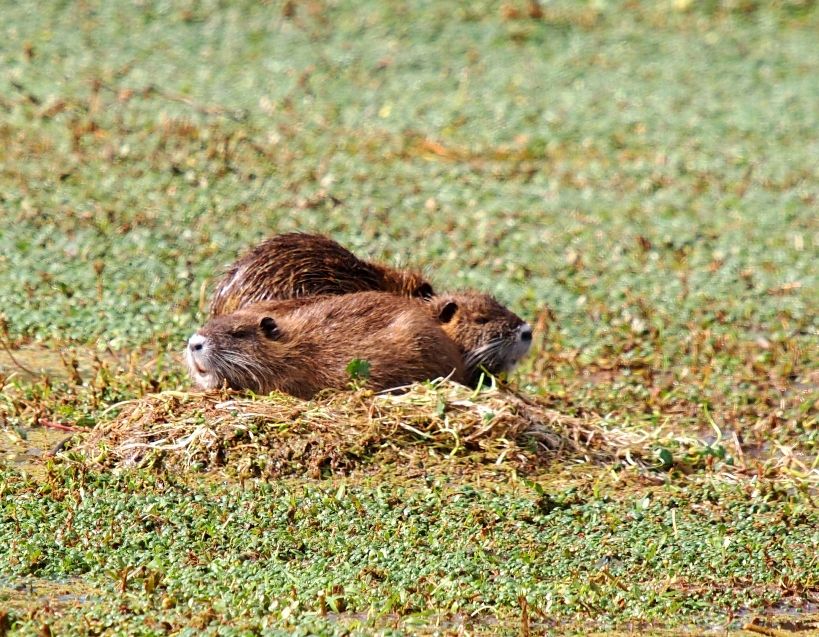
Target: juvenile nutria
x=295 y=264
x=308 y=348
x=489 y=335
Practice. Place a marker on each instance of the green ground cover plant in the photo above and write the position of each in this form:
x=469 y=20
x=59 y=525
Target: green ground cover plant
x=637 y=179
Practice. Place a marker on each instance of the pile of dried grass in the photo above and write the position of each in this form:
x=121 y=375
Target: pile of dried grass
x=281 y=435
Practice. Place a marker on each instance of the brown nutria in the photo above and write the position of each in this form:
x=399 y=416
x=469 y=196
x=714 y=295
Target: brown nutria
x=296 y=264
x=309 y=348
x=489 y=335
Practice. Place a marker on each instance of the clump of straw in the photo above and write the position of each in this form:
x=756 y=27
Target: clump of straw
x=338 y=431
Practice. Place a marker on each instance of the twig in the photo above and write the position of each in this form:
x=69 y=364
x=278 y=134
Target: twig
x=237 y=115
x=761 y=630
x=43 y=422
x=13 y=359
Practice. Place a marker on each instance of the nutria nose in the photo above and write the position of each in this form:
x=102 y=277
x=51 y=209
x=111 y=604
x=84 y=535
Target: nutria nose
x=525 y=333
x=196 y=342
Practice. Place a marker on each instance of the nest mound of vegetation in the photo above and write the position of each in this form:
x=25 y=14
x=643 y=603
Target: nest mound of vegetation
x=279 y=435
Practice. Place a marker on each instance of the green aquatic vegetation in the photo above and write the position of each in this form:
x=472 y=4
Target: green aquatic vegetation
x=163 y=550
x=636 y=179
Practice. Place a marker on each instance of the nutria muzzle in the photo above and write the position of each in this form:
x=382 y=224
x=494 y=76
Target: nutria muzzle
x=213 y=361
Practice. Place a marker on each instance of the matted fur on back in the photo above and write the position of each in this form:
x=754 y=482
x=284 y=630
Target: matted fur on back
x=295 y=265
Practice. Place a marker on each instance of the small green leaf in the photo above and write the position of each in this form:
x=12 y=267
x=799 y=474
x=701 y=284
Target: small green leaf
x=358 y=369
x=666 y=458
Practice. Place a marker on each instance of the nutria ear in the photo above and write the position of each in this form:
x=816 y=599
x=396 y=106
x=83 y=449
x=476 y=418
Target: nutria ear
x=447 y=311
x=424 y=291
x=269 y=328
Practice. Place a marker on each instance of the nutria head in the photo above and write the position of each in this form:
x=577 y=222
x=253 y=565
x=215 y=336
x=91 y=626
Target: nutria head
x=226 y=352
x=489 y=335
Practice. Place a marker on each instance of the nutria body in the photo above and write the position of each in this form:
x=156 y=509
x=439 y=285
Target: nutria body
x=488 y=335
x=305 y=349
x=295 y=265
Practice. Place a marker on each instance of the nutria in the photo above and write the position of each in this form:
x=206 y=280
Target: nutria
x=488 y=335
x=309 y=348
x=296 y=264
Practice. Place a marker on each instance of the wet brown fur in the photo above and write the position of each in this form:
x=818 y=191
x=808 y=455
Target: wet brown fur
x=297 y=265
x=485 y=331
x=314 y=343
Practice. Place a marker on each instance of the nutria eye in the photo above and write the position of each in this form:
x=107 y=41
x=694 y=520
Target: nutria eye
x=481 y=320
x=269 y=328
x=240 y=333
x=424 y=291
x=448 y=312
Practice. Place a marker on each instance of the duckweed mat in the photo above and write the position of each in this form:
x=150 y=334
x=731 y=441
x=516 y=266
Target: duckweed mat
x=638 y=180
